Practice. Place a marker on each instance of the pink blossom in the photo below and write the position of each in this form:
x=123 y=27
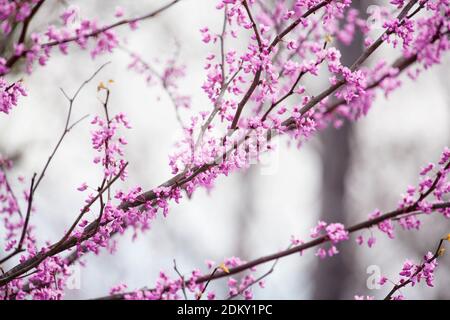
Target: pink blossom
x=336 y=232
x=82 y=187
x=119 y=12
x=371 y=241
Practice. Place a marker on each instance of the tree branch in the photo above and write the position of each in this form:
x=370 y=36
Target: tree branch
x=11 y=61
x=397 y=287
x=300 y=248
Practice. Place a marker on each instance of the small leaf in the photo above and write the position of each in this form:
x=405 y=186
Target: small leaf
x=441 y=252
x=224 y=268
x=101 y=86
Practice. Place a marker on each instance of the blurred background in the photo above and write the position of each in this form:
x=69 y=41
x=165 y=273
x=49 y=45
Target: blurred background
x=338 y=176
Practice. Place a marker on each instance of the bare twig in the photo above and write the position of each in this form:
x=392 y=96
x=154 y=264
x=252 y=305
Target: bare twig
x=67 y=126
x=289 y=93
x=222 y=44
x=162 y=81
x=292 y=26
x=208 y=280
x=183 y=283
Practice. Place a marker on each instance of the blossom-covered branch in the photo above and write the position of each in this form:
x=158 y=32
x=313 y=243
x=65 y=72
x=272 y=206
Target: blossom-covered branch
x=87 y=30
x=256 y=93
x=414 y=273
x=275 y=256
x=293 y=123
x=335 y=233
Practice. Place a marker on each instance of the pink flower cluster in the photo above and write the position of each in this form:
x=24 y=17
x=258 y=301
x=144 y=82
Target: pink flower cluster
x=410 y=271
x=71 y=31
x=182 y=287
x=103 y=142
x=52 y=273
x=9 y=207
x=412 y=274
x=434 y=186
x=335 y=232
x=9 y=94
x=438 y=186
x=13 y=11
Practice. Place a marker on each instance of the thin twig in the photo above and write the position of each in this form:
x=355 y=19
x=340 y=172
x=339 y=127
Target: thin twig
x=23 y=34
x=293 y=25
x=419 y=269
x=183 y=284
x=289 y=93
x=67 y=127
x=300 y=248
x=58 y=246
x=161 y=80
x=11 y=61
x=199 y=296
x=258 y=72
x=257 y=280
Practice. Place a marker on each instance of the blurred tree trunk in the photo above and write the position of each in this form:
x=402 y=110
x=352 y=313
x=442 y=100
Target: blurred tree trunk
x=331 y=277
x=246 y=215
x=246 y=212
